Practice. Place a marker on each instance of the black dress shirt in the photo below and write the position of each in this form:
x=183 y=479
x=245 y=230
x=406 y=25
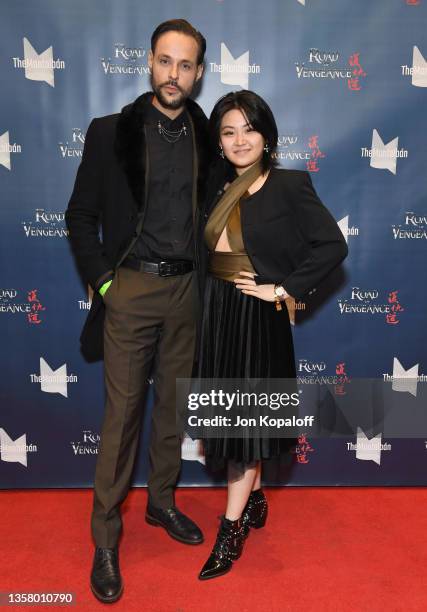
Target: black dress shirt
x=167 y=231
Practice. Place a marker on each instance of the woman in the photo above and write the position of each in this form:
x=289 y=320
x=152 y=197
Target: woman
x=270 y=239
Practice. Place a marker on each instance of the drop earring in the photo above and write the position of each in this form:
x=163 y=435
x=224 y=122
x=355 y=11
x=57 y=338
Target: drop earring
x=266 y=148
x=221 y=152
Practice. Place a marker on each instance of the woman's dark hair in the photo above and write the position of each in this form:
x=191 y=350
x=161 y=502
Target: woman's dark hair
x=183 y=26
x=259 y=116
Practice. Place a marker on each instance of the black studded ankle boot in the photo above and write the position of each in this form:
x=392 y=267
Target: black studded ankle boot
x=228 y=548
x=255 y=512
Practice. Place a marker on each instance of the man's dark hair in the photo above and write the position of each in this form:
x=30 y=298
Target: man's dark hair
x=258 y=114
x=183 y=26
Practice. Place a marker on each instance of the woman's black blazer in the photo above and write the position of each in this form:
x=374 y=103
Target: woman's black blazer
x=290 y=236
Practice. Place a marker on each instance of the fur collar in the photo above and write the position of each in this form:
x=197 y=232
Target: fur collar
x=130 y=144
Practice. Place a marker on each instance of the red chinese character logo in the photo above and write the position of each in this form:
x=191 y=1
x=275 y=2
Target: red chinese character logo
x=36 y=307
x=392 y=297
x=302 y=448
x=343 y=379
x=340 y=369
x=357 y=72
x=391 y=317
x=312 y=166
x=315 y=155
x=353 y=84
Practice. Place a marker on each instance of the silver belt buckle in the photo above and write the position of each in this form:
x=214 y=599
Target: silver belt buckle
x=162 y=271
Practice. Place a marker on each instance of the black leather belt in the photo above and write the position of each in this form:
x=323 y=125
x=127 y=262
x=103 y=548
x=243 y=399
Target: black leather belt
x=162 y=268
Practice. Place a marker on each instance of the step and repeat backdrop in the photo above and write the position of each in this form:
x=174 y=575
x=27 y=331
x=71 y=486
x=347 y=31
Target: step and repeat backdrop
x=347 y=82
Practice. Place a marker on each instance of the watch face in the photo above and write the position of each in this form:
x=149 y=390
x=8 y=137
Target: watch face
x=279 y=290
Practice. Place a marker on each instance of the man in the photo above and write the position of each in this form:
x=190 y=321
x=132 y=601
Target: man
x=142 y=176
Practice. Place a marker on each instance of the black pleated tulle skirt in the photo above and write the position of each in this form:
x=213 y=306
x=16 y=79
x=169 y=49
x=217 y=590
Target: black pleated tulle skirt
x=243 y=337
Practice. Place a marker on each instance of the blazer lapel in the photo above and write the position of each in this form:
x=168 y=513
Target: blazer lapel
x=130 y=145
x=200 y=124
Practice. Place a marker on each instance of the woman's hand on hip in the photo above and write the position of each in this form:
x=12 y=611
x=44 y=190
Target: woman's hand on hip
x=248 y=285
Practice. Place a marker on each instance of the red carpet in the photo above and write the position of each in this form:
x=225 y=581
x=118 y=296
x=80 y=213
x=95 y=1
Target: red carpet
x=343 y=549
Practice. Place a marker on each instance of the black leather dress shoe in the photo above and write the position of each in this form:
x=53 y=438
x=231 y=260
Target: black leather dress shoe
x=105 y=581
x=178 y=526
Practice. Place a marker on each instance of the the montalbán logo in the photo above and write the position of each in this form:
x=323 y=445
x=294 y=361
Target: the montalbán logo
x=347 y=229
x=383 y=156
x=6 y=149
x=15 y=451
x=53 y=381
x=404 y=380
x=418 y=70
x=86 y=304
x=192 y=450
x=234 y=71
x=368 y=449
x=38 y=66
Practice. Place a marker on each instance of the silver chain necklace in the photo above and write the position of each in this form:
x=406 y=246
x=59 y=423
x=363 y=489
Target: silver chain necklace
x=171 y=136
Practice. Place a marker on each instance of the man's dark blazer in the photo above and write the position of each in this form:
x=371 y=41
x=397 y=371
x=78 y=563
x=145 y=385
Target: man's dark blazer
x=289 y=235
x=110 y=194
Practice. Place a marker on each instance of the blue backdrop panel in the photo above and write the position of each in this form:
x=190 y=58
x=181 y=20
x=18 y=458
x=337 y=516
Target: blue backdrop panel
x=347 y=83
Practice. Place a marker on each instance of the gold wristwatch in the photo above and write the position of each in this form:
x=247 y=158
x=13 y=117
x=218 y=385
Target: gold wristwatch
x=279 y=293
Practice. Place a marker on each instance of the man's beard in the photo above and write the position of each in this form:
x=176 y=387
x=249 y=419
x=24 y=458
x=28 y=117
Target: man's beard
x=174 y=103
